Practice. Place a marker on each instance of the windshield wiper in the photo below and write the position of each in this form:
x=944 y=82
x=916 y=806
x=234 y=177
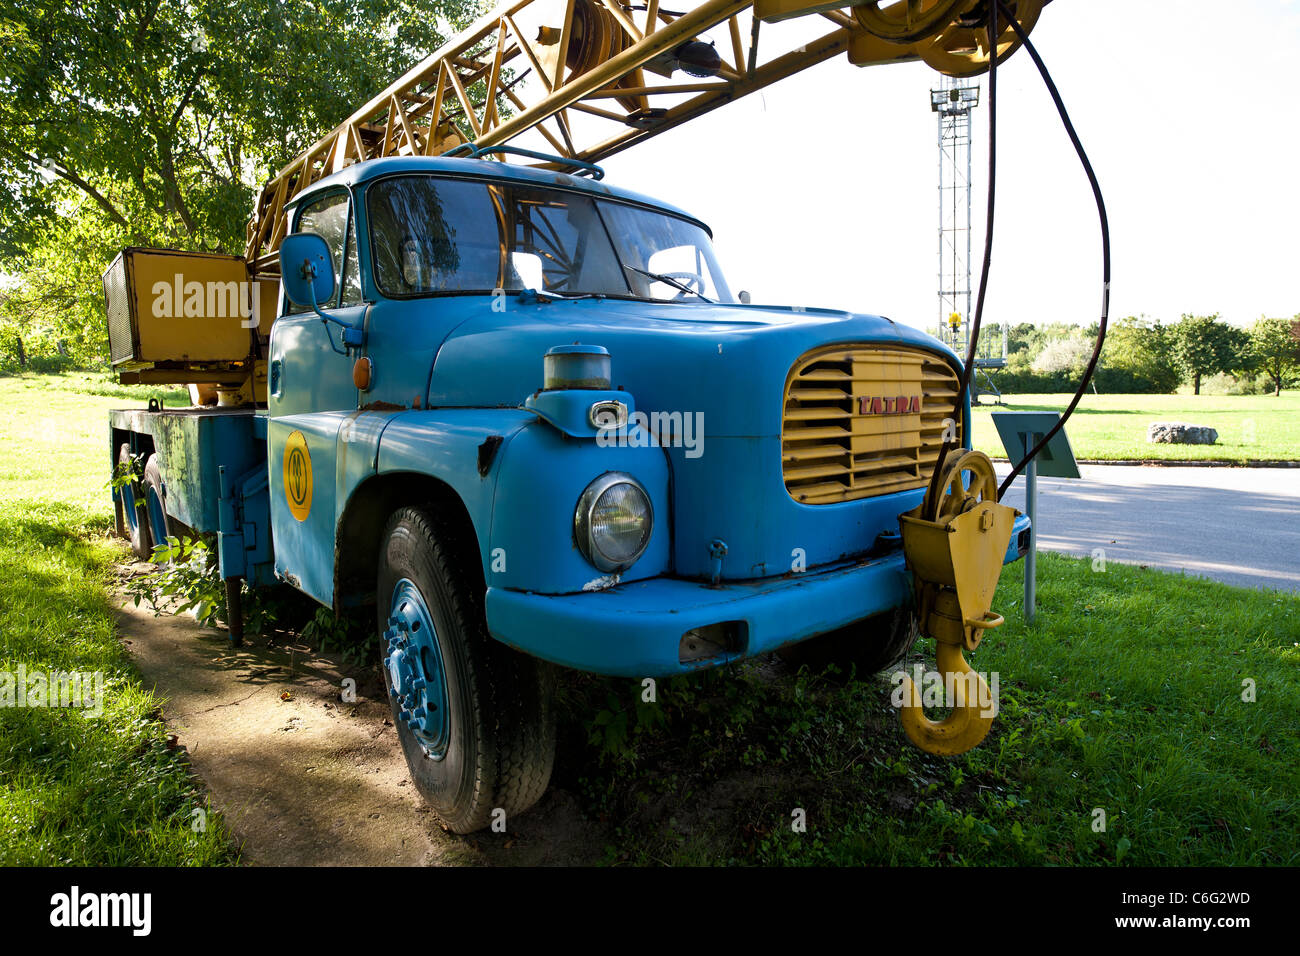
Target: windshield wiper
x=542 y=296
x=668 y=280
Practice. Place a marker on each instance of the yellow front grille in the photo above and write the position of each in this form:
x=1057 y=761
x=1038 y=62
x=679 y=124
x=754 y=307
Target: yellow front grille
x=835 y=447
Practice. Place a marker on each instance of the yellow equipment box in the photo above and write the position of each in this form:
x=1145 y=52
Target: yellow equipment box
x=180 y=313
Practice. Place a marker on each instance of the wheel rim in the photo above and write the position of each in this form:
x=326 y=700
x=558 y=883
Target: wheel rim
x=127 y=496
x=958 y=493
x=128 y=506
x=157 y=517
x=416 y=678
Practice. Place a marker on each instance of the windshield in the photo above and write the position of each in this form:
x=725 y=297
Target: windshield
x=432 y=235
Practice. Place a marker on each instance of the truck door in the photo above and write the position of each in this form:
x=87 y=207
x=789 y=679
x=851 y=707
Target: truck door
x=309 y=395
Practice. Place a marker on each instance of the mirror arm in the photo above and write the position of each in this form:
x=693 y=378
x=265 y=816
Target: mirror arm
x=357 y=337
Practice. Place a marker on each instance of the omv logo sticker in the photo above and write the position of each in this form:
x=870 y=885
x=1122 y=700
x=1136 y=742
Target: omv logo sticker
x=297 y=476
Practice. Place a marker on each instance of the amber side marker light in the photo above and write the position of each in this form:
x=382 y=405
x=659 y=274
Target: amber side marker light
x=361 y=372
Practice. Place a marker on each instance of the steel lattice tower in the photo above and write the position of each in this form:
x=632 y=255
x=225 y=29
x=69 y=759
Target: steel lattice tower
x=952 y=103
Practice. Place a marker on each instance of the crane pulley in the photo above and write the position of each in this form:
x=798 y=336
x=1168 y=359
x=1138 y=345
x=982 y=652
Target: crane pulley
x=593 y=77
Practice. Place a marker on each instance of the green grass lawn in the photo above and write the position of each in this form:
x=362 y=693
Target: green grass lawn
x=75 y=788
x=1250 y=427
x=1125 y=697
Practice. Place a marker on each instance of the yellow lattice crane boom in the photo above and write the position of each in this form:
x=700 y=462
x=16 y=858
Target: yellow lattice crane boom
x=593 y=77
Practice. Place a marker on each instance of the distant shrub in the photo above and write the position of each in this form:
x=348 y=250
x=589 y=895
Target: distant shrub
x=1135 y=361
x=1028 y=382
x=1225 y=383
x=1064 y=357
x=52 y=363
x=1124 y=381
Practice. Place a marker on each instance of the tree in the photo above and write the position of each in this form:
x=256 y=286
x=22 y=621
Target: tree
x=1203 y=345
x=1276 y=347
x=56 y=305
x=1019 y=337
x=152 y=122
x=1139 y=350
x=183 y=106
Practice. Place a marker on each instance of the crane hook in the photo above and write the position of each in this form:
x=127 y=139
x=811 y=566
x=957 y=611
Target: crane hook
x=954 y=544
x=973 y=706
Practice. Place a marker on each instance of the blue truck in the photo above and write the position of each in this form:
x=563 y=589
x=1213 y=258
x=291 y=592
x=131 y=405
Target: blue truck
x=521 y=414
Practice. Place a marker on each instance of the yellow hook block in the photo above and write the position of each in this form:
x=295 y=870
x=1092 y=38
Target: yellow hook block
x=956 y=560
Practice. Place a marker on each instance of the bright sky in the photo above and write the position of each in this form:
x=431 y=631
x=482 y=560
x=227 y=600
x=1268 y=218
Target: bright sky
x=822 y=190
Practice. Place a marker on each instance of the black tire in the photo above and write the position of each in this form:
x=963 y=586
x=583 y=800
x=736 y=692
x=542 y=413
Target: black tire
x=152 y=487
x=867 y=646
x=500 y=743
x=131 y=501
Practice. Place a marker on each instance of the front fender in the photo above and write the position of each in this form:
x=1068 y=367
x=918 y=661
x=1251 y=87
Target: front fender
x=448 y=444
x=519 y=479
x=543 y=473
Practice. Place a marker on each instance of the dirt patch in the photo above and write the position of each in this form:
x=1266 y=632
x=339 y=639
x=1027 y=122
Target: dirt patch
x=304 y=778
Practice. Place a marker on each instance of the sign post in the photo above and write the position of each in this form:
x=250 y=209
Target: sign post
x=1020 y=432
x=1031 y=509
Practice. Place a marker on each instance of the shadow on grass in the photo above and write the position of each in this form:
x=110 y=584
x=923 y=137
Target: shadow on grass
x=1084 y=409
x=30 y=525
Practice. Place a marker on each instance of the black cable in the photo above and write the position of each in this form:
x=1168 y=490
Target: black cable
x=933 y=494
x=1105 y=247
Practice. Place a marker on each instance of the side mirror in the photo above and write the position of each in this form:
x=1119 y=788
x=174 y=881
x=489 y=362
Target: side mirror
x=745 y=297
x=306 y=269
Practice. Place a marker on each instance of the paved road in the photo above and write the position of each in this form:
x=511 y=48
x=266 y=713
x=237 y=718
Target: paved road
x=1238 y=525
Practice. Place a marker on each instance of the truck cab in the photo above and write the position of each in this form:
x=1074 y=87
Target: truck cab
x=528 y=420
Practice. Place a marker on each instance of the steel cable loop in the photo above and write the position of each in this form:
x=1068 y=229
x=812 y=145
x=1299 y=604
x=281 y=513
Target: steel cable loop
x=1105 y=247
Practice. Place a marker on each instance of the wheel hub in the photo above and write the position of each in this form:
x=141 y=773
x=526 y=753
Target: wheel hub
x=413 y=662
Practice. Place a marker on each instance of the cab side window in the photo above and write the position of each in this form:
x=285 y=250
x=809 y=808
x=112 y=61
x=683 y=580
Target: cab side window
x=330 y=219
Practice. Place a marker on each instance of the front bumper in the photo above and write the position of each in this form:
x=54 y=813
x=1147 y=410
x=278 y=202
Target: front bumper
x=634 y=629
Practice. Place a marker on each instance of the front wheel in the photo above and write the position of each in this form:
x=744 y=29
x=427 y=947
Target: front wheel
x=473 y=716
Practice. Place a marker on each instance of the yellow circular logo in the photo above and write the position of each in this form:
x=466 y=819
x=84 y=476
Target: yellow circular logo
x=297 y=476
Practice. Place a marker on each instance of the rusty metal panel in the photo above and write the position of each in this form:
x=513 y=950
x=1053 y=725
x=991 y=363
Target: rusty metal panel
x=192 y=443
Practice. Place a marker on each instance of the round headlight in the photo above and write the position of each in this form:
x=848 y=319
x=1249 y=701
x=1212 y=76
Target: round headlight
x=613 y=521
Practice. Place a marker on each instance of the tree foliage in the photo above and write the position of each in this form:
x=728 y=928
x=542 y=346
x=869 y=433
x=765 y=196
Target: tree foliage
x=1068 y=355
x=1203 y=345
x=1275 y=345
x=1141 y=349
x=1140 y=356
x=153 y=123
